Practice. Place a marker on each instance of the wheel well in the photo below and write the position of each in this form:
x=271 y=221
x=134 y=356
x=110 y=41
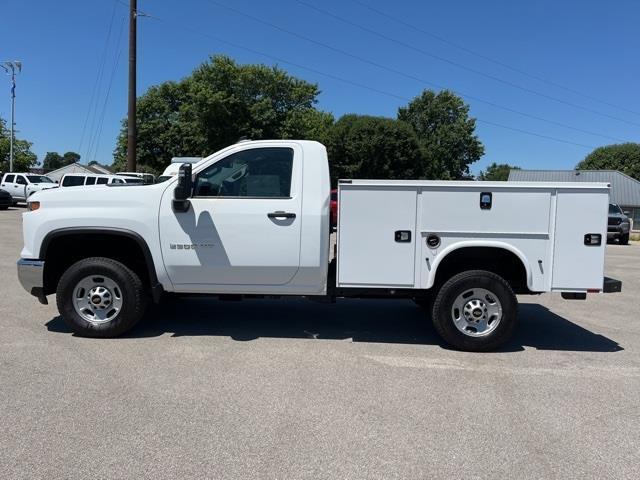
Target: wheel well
x=63 y=250
x=493 y=259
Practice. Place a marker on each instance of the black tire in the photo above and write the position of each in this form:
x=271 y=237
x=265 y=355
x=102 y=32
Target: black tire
x=4 y=207
x=133 y=297
x=442 y=314
x=624 y=239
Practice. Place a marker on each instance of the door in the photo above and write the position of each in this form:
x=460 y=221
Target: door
x=243 y=226
x=376 y=236
x=9 y=185
x=19 y=189
x=579 y=264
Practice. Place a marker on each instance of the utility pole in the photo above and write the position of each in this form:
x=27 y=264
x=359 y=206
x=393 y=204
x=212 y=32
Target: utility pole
x=131 y=118
x=11 y=66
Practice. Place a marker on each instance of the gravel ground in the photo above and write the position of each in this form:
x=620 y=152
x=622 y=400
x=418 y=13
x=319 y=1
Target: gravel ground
x=294 y=389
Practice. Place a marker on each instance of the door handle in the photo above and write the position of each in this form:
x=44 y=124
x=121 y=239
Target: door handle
x=281 y=214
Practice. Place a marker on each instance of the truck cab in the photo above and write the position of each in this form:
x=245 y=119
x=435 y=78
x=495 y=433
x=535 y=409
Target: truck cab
x=254 y=220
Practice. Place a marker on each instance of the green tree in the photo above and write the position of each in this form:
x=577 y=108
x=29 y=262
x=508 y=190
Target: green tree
x=624 y=157
x=23 y=157
x=374 y=147
x=70 y=157
x=497 y=172
x=52 y=161
x=217 y=104
x=446 y=133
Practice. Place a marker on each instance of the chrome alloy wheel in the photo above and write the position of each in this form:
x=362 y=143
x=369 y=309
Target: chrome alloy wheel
x=476 y=312
x=97 y=299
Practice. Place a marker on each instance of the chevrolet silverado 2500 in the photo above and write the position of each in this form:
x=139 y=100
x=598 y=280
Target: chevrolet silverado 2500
x=253 y=220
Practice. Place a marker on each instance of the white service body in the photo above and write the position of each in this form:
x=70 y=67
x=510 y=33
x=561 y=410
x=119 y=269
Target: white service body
x=542 y=224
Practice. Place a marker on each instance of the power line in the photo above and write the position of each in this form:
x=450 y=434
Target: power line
x=106 y=97
x=489 y=59
x=98 y=79
x=351 y=82
x=464 y=67
x=410 y=76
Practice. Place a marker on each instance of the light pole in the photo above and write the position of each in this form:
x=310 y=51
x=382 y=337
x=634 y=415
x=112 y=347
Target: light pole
x=10 y=68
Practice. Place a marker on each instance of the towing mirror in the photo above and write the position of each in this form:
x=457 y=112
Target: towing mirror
x=184 y=188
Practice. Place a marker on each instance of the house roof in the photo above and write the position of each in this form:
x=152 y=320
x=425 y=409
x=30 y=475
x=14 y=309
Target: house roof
x=625 y=190
x=78 y=168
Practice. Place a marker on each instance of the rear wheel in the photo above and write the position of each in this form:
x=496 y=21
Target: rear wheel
x=475 y=311
x=624 y=239
x=100 y=297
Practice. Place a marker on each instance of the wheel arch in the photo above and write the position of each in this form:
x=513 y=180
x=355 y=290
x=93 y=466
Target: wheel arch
x=123 y=237
x=470 y=249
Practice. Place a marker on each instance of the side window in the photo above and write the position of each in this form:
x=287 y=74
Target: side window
x=91 y=181
x=257 y=172
x=9 y=178
x=102 y=180
x=117 y=180
x=20 y=180
x=72 y=181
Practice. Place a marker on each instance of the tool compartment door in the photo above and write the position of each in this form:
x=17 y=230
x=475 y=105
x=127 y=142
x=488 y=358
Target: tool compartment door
x=577 y=266
x=376 y=236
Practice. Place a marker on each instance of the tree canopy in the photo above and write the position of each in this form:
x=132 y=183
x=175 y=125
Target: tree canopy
x=23 y=157
x=373 y=147
x=222 y=101
x=497 y=172
x=446 y=133
x=53 y=160
x=217 y=104
x=624 y=157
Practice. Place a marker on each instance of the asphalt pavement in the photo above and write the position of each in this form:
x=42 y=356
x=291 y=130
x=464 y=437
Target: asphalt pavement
x=290 y=389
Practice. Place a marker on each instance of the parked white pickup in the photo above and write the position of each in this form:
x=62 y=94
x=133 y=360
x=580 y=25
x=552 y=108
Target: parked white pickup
x=22 y=185
x=253 y=219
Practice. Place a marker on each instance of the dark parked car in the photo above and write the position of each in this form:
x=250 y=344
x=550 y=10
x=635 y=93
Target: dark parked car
x=5 y=200
x=618 y=225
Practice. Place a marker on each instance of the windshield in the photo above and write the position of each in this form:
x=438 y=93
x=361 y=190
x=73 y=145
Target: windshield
x=614 y=209
x=39 y=179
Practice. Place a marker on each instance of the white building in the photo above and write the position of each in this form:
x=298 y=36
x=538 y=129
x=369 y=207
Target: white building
x=56 y=175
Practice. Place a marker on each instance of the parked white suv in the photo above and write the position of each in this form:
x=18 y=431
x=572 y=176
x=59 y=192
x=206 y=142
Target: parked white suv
x=22 y=185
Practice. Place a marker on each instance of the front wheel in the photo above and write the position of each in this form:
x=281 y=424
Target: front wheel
x=475 y=311
x=624 y=239
x=100 y=297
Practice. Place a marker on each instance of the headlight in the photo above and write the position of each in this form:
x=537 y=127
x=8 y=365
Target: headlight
x=32 y=206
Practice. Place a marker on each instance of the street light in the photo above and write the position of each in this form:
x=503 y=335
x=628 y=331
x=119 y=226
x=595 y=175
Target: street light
x=10 y=68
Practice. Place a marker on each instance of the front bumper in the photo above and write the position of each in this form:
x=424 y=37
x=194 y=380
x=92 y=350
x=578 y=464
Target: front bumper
x=31 y=276
x=614 y=231
x=611 y=285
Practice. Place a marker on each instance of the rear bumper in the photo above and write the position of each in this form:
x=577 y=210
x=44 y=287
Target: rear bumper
x=611 y=285
x=31 y=276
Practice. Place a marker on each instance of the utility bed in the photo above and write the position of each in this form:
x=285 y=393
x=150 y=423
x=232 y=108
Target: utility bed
x=393 y=234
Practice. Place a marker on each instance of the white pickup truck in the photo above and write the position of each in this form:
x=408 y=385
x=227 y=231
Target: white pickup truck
x=253 y=220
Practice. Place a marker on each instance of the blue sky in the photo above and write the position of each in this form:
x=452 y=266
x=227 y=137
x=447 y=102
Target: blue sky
x=588 y=46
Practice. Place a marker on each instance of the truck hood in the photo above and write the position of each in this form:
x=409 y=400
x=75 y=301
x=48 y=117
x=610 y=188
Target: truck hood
x=99 y=196
x=36 y=187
